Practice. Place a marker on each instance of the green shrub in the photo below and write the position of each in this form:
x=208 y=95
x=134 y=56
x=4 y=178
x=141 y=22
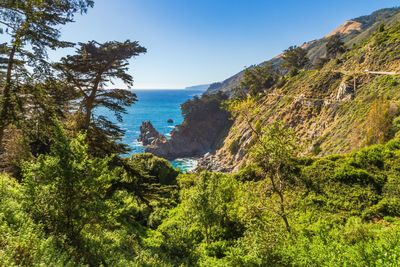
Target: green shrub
x=22 y=241
x=160 y=169
x=234 y=146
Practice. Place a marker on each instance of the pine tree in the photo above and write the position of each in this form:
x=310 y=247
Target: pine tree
x=66 y=190
x=89 y=71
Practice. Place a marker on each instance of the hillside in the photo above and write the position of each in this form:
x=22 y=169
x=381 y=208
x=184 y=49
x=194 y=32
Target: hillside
x=354 y=31
x=332 y=110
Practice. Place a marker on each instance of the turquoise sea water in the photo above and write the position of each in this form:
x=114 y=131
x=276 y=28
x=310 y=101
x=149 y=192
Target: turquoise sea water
x=156 y=106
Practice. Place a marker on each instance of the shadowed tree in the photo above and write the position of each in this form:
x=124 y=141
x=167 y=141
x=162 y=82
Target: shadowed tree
x=32 y=26
x=294 y=59
x=89 y=71
x=335 y=46
x=379 y=122
x=255 y=80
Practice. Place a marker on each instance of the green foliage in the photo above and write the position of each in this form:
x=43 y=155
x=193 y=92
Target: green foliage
x=159 y=168
x=335 y=46
x=66 y=189
x=275 y=152
x=343 y=211
x=294 y=59
x=23 y=242
x=32 y=26
x=250 y=172
x=193 y=110
x=153 y=181
x=256 y=80
x=276 y=148
x=74 y=209
x=204 y=222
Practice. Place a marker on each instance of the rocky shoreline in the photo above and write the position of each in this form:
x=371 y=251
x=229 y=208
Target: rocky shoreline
x=203 y=130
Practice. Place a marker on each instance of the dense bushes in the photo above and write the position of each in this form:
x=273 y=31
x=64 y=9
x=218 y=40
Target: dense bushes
x=160 y=169
x=22 y=241
x=73 y=209
x=343 y=211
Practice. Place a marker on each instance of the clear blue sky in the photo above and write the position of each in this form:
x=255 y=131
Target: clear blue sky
x=192 y=42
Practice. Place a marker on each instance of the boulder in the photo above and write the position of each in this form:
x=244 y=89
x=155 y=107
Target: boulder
x=345 y=91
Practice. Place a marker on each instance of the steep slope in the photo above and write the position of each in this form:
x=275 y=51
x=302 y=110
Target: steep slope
x=353 y=31
x=332 y=110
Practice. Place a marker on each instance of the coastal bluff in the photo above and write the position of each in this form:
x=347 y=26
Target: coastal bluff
x=203 y=130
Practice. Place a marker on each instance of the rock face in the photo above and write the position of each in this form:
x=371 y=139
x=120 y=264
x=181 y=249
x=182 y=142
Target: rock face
x=347 y=27
x=148 y=134
x=203 y=130
x=345 y=91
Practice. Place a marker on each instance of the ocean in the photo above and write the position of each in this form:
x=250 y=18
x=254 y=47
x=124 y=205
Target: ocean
x=156 y=106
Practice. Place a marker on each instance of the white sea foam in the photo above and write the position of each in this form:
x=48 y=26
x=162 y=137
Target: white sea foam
x=136 y=143
x=185 y=164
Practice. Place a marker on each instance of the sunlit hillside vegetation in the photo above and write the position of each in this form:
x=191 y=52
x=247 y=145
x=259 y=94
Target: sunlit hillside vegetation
x=68 y=197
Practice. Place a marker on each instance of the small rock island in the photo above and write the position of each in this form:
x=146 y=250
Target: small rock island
x=148 y=134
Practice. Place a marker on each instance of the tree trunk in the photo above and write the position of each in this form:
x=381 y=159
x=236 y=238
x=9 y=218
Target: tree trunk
x=90 y=100
x=88 y=115
x=5 y=109
x=282 y=212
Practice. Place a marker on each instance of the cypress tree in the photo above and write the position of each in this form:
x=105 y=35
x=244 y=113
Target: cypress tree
x=89 y=71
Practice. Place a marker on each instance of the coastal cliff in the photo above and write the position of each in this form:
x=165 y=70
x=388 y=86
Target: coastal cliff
x=205 y=126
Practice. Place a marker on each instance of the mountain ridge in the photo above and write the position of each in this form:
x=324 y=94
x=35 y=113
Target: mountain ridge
x=358 y=30
x=200 y=87
x=332 y=110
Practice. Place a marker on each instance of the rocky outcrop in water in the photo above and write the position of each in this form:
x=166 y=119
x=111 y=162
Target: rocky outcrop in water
x=148 y=134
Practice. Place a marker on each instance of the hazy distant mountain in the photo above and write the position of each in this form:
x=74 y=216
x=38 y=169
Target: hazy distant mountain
x=353 y=31
x=201 y=87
